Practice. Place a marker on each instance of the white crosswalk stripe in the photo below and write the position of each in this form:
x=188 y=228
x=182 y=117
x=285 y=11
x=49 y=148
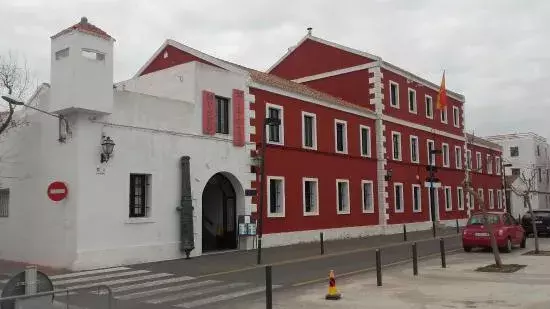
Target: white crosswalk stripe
x=88 y=272
x=4 y=281
x=102 y=277
x=221 y=297
x=120 y=281
x=149 y=284
x=176 y=288
x=196 y=293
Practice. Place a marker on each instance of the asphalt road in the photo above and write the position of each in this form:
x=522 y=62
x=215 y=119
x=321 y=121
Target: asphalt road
x=229 y=281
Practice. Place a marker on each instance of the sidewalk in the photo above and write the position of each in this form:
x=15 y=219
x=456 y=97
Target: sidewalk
x=457 y=286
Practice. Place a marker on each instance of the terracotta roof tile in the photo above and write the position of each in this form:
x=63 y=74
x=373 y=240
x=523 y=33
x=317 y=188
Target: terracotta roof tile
x=85 y=27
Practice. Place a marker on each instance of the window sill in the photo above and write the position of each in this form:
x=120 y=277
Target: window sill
x=368 y=212
x=343 y=213
x=417 y=211
x=139 y=220
x=276 y=215
x=310 y=214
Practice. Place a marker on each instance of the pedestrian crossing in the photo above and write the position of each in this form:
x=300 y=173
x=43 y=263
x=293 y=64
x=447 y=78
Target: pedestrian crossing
x=156 y=288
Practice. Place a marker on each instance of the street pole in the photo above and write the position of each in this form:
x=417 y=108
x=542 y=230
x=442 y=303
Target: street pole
x=261 y=201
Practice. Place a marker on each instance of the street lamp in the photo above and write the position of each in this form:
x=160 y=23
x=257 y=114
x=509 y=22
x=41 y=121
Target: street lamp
x=62 y=120
x=107 y=145
x=267 y=122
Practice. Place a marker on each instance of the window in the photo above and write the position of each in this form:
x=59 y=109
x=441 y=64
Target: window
x=444 y=115
x=276 y=193
x=497 y=163
x=479 y=164
x=516 y=171
x=140 y=195
x=222 y=115
x=4 y=203
x=92 y=54
x=445 y=150
x=412 y=101
x=460 y=198
x=514 y=151
x=458 y=157
x=489 y=164
x=365 y=141
x=311 y=196
x=396 y=142
x=60 y=54
x=275 y=133
x=416 y=195
x=394 y=94
x=491 y=199
x=341 y=136
x=456 y=116
x=368 y=198
x=469 y=159
x=415 y=156
x=309 y=130
x=547 y=175
x=448 y=199
x=538 y=150
x=431 y=156
x=429 y=107
x=499 y=199
x=540 y=174
x=480 y=193
x=472 y=201
x=342 y=196
x=436 y=200
x=398 y=197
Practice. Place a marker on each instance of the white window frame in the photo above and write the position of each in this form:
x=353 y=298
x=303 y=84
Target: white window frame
x=400 y=154
x=482 y=195
x=411 y=138
x=489 y=164
x=415 y=104
x=430 y=156
x=363 y=182
x=471 y=201
x=419 y=198
x=456 y=116
x=458 y=157
x=397 y=92
x=448 y=193
x=499 y=197
x=281 y=126
x=316 y=193
x=446 y=155
x=436 y=200
x=369 y=142
x=479 y=163
x=431 y=104
x=460 y=198
x=395 y=185
x=348 y=211
x=445 y=119
x=313 y=130
x=497 y=165
x=469 y=159
x=345 y=137
x=269 y=213
x=491 y=199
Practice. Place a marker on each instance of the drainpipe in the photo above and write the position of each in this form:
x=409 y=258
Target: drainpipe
x=187 y=237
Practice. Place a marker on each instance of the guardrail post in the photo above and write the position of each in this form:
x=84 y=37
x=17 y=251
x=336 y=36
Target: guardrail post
x=378 y=268
x=322 y=243
x=268 y=288
x=457 y=227
x=442 y=249
x=404 y=232
x=415 y=259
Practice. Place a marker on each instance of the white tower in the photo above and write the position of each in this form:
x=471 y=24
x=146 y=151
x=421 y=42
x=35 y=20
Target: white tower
x=82 y=70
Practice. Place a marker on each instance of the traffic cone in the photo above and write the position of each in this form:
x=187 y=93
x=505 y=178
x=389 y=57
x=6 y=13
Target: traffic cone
x=332 y=290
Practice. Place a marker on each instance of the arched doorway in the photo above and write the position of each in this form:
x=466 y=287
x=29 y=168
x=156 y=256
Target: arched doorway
x=219 y=215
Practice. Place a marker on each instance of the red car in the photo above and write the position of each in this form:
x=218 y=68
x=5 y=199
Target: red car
x=507 y=230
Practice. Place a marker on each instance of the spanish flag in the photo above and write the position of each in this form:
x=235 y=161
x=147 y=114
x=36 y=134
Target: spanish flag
x=442 y=94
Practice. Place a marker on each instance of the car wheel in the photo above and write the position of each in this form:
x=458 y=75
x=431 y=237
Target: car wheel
x=468 y=249
x=508 y=247
x=523 y=242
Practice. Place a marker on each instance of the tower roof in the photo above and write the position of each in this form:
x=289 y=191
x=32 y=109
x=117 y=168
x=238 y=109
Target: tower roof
x=85 y=27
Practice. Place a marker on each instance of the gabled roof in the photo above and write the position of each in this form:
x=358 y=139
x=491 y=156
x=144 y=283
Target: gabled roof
x=85 y=27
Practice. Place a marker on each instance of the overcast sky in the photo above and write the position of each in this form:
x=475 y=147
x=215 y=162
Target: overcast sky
x=494 y=51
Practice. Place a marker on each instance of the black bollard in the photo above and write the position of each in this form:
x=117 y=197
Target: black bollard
x=378 y=268
x=433 y=228
x=322 y=243
x=404 y=232
x=442 y=249
x=415 y=259
x=268 y=288
x=457 y=227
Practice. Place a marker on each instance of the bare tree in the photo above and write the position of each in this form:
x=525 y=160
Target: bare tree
x=15 y=81
x=525 y=191
x=467 y=184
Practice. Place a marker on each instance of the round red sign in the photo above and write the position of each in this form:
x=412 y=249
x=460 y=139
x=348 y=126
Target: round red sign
x=57 y=191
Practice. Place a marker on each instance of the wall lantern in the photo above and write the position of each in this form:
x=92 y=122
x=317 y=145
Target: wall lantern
x=107 y=147
x=387 y=177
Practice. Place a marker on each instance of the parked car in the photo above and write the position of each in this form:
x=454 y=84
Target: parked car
x=542 y=222
x=507 y=230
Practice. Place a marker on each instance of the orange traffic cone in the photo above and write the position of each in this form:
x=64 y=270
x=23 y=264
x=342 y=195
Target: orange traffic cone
x=332 y=290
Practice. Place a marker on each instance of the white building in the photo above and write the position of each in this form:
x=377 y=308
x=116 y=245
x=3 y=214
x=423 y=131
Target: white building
x=124 y=209
x=527 y=154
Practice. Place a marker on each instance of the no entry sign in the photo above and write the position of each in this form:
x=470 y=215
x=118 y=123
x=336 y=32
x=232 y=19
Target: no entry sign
x=57 y=191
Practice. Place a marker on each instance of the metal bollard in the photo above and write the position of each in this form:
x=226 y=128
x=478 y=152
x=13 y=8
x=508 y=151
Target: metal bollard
x=415 y=259
x=433 y=228
x=268 y=288
x=404 y=232
x=378 y=268
x=442 y=249
x=457 y=227
x=322 y=243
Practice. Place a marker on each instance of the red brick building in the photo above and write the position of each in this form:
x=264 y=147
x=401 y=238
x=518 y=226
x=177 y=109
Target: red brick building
x=350 y=156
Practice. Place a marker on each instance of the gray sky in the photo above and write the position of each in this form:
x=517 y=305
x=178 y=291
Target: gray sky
x=493 y=51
